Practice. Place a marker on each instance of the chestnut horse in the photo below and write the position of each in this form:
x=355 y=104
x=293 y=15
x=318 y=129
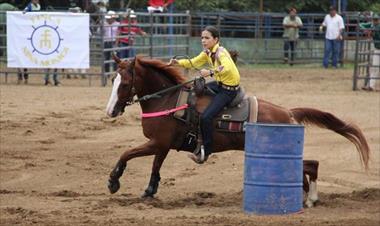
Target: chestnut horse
x=143 y=77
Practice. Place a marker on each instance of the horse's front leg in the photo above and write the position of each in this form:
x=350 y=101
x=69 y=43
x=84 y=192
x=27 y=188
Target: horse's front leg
x=155 y=176
x=148 y=148
x=311 y=169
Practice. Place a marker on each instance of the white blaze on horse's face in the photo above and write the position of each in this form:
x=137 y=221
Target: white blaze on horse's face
x=113 y=98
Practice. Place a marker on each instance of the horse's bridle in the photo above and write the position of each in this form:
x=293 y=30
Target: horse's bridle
x=132 y=89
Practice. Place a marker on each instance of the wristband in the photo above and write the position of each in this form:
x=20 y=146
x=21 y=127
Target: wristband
x=211 y=73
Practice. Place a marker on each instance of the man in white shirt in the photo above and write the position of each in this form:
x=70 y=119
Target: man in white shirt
x=111 y=27
x=334 y=29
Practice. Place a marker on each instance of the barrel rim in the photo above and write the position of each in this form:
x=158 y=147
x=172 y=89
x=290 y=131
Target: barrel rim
x=275 y=125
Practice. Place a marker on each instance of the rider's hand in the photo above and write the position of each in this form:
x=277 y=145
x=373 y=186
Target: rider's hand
x=205 y=73
x=173 y=62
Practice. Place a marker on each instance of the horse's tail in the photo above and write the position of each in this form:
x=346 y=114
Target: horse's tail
x=329 y=121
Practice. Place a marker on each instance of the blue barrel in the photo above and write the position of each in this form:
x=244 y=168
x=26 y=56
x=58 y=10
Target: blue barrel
x=273 y=168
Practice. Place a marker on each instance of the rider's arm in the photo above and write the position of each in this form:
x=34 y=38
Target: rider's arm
x=227 y=71
x=197 y=61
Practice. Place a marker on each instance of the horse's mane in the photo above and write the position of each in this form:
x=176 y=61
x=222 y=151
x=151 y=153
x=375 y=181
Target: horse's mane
x=171 y=72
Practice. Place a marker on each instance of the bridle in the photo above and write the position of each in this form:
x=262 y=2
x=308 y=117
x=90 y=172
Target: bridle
x=156 y=95
x=132 y=89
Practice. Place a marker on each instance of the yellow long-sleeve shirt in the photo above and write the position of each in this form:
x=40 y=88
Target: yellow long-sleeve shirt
x=224 y=67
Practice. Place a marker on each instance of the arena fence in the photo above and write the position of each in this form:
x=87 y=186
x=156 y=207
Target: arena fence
x=166 y=35
x=257 y=37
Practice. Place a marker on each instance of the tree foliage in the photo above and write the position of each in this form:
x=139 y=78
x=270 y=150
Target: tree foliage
x=269 y=5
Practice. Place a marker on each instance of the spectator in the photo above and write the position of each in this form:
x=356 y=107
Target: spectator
x=291 y=24
x=92 y=9
x=22 y=73
x=110 y=32
x=33 y=5
x=374 y=71
x=102 y=8
x=55 y=77
x=127 y=32
x=334 y=29
x=158 y=6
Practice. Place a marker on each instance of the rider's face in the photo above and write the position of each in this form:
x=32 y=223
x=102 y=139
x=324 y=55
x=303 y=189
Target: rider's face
x=207 y=40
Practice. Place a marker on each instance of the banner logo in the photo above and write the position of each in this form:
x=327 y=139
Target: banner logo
x=45 y=39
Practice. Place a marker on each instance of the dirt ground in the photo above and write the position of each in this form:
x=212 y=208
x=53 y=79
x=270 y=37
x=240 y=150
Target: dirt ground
x=58 y=148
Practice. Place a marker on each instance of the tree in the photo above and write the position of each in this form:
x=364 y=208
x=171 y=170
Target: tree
x=315 y=6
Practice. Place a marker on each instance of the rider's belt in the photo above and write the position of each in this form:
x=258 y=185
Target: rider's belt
x=232 y=88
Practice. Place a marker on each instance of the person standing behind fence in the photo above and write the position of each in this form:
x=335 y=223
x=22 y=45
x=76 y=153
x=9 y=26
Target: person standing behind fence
x=158 y=6
x=55 y=77
x=126 y=35
x=111 y=27
x=291 y=24
x=374 y=71
x=334 y=35
x=33 y=5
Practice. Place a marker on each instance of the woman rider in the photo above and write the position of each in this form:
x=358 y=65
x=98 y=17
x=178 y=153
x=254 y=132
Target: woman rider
x=227 y=77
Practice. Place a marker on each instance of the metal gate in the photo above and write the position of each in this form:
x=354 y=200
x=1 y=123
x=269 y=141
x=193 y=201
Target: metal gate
x=363 y=60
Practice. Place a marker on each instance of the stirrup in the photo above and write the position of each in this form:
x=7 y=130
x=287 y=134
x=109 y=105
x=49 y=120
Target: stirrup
x=198 y=147
x=198 y=156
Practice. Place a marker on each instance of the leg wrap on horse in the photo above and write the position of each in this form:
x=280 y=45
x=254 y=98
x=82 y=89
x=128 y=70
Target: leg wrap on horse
x=117 y=172
x=153 y=185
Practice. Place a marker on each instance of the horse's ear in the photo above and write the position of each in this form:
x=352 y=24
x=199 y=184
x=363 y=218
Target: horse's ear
x=115 y=58
x=132 y=63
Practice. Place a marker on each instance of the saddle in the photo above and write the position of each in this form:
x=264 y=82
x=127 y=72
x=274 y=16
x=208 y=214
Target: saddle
x=231 y=119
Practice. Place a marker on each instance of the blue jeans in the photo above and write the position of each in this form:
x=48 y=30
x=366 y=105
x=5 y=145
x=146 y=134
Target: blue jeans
x=220 y=100
x=55 y=76
x=288 y=44
x=331 y=46
x=126 y=53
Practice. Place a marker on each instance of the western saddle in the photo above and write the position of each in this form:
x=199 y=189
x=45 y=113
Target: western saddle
x=231 y=119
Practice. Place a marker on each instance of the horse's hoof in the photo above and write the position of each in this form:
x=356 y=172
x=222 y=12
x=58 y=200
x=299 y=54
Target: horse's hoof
x=147 y=195
x=310 y=203
x=113 y=185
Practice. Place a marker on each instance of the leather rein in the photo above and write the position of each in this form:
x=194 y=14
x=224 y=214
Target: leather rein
x=157 y=94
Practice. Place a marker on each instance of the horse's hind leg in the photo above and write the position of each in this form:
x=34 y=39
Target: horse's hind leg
x=155 y=178
x=311 y=169
x=143 y=150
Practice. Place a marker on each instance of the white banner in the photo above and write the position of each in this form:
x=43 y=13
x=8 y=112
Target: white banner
x=48 y=40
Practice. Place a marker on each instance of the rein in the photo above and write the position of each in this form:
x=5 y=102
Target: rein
x=157 y=94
